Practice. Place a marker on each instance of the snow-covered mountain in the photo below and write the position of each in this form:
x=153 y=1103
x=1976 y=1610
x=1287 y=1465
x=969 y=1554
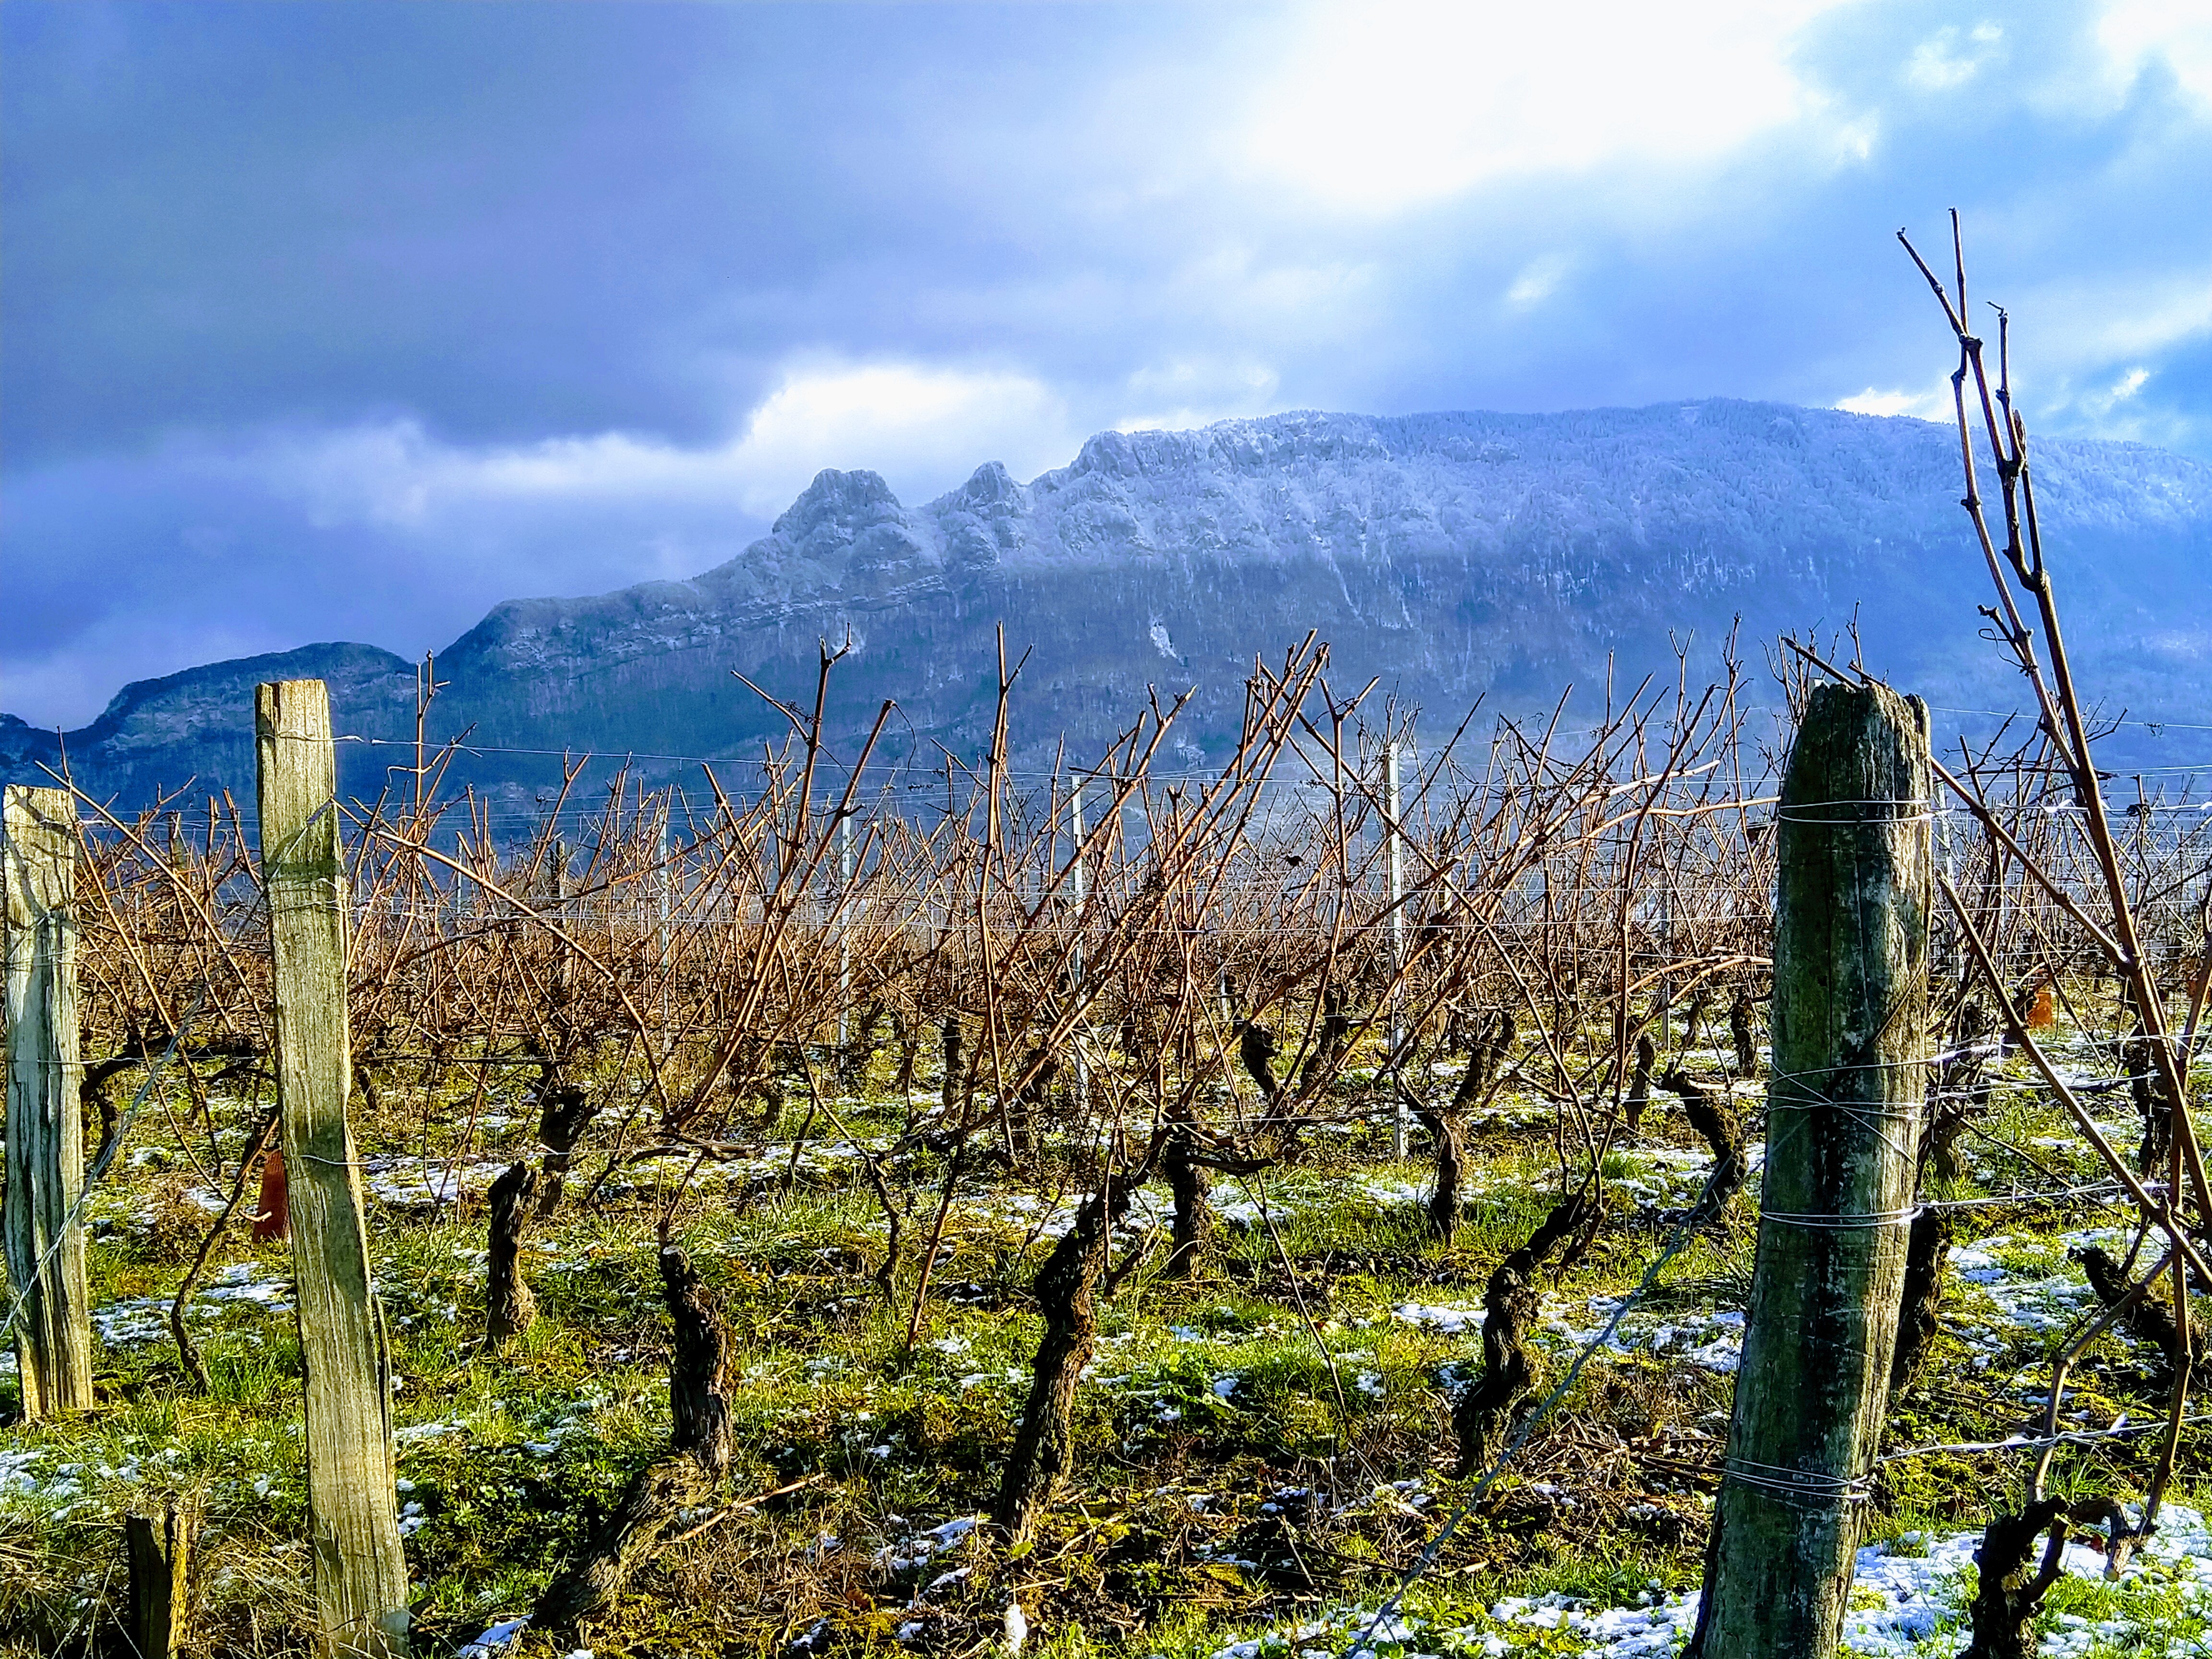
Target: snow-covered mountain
x=1454 y=556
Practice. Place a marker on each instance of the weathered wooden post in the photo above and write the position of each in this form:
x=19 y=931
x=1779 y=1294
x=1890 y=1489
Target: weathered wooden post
x=1844 y=1095
x=360 y=1569
x=564 y=965
x=844 y=922
x=158 y=1547
x=666 y=940
x=47 y=1301
x=1394 y=865
x=1078 y=872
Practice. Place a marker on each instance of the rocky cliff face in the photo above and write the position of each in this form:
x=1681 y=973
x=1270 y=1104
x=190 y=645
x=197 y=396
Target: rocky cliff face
x=1454 y=555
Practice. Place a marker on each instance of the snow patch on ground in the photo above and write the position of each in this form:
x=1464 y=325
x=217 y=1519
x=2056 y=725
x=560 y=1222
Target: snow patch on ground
x=1910 y=1597
x=1712 y=1341
x=1909 y=1603
x=494 y=1638
x=146 y=1318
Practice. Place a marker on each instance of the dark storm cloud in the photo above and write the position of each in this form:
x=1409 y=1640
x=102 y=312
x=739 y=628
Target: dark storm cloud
x=348 y=320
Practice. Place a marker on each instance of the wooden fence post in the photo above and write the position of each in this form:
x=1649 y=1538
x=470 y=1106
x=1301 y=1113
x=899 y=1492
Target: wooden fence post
x=45 y=1119
x=1394 y=867
x=1080 y=892
x=1844 y=1095
x=360 y=1569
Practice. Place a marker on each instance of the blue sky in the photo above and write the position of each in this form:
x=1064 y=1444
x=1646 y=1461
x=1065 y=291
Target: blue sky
x=347 y=320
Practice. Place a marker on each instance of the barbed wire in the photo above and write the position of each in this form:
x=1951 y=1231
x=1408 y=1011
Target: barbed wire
x=19 y=1296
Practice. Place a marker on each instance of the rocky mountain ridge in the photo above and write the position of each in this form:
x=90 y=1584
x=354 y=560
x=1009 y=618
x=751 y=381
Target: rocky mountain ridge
x=1454 y=556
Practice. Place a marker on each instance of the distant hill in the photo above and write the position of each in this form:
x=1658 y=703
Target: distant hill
x=1454 y=556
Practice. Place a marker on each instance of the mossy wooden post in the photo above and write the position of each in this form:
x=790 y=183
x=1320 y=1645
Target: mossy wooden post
x=360 y=1569
x=1844 y=1095
x=45 y=1120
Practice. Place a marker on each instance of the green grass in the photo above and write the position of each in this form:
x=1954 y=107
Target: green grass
x=1284 y=1370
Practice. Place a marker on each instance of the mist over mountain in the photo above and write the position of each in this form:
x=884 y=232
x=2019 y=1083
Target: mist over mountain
x=1457 y=556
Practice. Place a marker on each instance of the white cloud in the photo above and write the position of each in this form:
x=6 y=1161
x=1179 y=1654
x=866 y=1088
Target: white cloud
x=1931 y=405
x=2107 y=407
x=1854 y=140
x=2087 y=354
x=924 y=429
x=2086 y=346
x=1383 y=106
x=2083 y=353
x=905 y=422
x=1188 y=392
x=2137 y=318
x=2175 y=34
x=1538 y=281
x=1938 y=63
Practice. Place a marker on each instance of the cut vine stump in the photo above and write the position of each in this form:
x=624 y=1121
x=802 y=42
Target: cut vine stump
x=658 y=1494
x=158 y=1547
x=1845 y=1096
x=360 y=1569
x=509 y=1307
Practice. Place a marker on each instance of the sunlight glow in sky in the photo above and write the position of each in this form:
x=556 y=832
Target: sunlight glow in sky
x=1385 y=107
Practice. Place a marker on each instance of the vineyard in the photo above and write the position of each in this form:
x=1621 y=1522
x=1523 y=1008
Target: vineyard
x=1309 y=1204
